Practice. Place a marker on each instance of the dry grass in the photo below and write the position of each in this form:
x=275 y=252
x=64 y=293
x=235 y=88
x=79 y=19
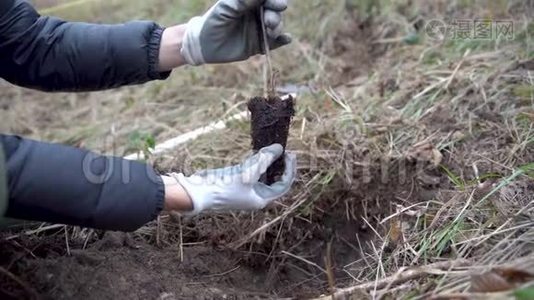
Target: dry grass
x=460 y=100
x=415 y=156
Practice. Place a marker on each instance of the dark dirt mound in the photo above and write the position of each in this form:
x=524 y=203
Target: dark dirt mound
x=270 y=120
x=114 y=270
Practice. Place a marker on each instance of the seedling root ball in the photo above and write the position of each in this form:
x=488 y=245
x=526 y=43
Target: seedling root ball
x=270 y=122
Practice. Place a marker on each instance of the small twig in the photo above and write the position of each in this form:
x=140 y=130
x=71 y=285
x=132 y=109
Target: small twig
x=35 y=231
x=158 y=231
x=181 y=239
x=29 y=291
x=400 y=212
x=330 y=268
x=311 y=263
x=373 y=229
x=431 y=87
x=451 y=78
x=87 y=239
x=301 y=200
x=67 y=240
x=464 y=208
x=400 y=277
x=224 y=273
x=302 y=128
x=380 y=264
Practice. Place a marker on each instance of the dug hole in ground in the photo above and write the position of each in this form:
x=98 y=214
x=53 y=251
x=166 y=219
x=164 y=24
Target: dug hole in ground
x=415 y=154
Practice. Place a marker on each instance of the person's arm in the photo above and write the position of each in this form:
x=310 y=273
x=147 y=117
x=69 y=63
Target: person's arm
x=50 y=54
x=176 y=197
x=170 y=56
x=61 y=184
x=49 y=182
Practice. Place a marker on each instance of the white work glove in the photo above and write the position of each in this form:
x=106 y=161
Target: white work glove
x=231 y=31
x=238 y=187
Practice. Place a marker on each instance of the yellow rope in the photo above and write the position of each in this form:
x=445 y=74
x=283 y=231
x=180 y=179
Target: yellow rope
x=55 y=9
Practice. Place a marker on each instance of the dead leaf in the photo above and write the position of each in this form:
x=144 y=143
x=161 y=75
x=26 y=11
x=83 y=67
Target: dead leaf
x=499 y=280
x=395 y=231
x=426 y=152
x=489 y=282
x=515 y=275
x=458 y=136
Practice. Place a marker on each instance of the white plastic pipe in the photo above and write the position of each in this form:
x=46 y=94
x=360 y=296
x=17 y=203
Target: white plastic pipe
x=191 y=135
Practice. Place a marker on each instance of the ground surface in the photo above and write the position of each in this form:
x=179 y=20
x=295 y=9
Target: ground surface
x=413 y=151
x=115 y=270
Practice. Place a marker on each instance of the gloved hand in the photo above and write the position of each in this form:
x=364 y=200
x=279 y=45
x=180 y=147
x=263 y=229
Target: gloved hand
x=231 y=31
x=238 y=187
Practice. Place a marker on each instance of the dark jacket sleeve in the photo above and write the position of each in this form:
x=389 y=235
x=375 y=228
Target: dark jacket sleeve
x=3 y=185
x=60 y=184
x=53 y=55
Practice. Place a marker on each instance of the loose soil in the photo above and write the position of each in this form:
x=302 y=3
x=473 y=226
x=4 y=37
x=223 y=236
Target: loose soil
x=114 y=269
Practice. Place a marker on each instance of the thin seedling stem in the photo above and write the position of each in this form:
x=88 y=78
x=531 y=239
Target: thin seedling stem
x=268 y=79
